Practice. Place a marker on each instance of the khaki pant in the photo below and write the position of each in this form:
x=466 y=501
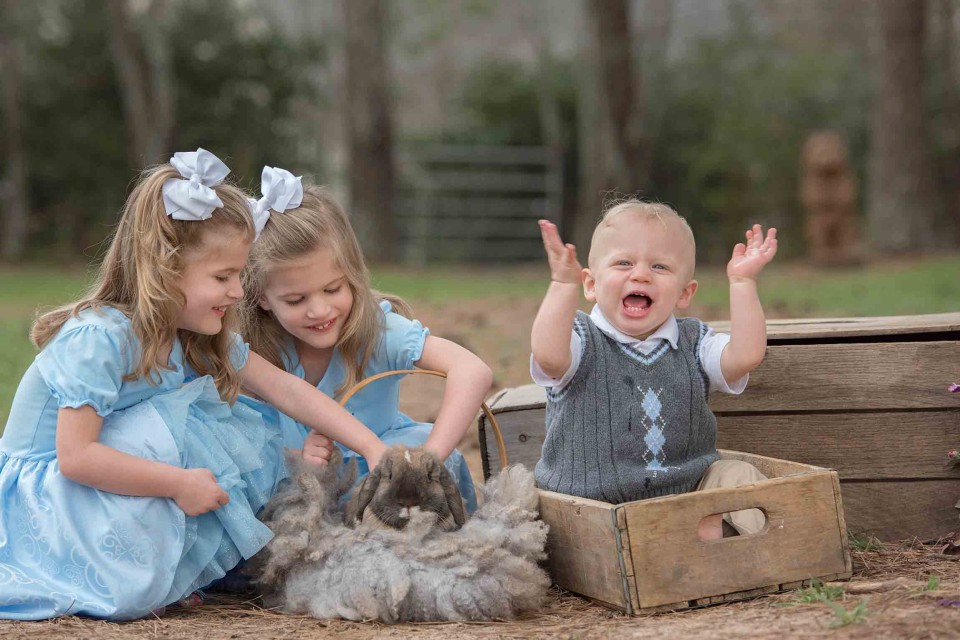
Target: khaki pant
x=734 y=473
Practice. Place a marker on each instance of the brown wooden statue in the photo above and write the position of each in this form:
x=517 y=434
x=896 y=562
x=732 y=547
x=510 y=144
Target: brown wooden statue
x=828 y=191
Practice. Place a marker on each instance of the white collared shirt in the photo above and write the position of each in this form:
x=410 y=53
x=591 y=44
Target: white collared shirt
x=711 y=348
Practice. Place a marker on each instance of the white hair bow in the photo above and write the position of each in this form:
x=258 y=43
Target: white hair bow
x=191 y=198
x=281 y=191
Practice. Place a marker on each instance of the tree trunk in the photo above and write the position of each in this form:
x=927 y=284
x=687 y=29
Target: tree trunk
x=371 y=176
x=614 y=152
x=13 y=189
x=141 y=57
x=903 y=198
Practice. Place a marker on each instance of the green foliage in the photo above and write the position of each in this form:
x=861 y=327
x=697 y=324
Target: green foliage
x=817 y=592
x=739 y=108
x=843 y=616
x=863 y=542
x=933 y=583
x=237 y=81
x=73 y=128
x=501 y=100
x=24 y=293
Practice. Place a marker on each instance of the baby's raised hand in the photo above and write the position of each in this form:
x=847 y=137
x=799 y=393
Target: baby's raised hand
x=564 y=266
x=749 y=259
x=198 y=492
x=317 y=448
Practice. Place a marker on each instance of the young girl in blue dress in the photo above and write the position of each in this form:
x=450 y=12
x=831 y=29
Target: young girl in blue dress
x=309 y=309
x=127 y=481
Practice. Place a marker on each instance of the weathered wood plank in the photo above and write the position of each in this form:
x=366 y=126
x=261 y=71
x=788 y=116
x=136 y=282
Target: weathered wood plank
x=582 y=547
x=899 y=510
x=860 y=446
x=849 y=327
x=802 y=540
x=523 y=433
x=904 y=375
x=767 y=465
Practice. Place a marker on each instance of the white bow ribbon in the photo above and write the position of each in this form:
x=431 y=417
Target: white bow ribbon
x=192 y=197
x=281 y=191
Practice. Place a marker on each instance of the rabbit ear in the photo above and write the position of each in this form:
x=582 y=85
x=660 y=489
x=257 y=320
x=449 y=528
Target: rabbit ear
x=452 y=494
x=364 y=494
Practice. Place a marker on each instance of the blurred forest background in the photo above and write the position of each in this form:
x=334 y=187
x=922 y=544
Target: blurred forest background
x=448 y=127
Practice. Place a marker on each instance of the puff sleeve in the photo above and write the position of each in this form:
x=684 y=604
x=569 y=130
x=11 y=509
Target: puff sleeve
x=402 y=339
x=239 y=352
x=85 y=366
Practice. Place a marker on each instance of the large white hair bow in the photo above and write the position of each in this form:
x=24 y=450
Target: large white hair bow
x=191 y=198
x=281 y=191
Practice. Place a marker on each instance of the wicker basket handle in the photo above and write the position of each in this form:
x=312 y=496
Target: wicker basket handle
x=501 y=447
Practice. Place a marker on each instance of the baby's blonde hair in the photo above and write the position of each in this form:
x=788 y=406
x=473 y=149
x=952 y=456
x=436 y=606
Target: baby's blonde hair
x=646 y=211
x=318 y=223
x=139 y=276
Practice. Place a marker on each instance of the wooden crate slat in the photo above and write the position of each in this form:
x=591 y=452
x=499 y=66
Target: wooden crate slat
x=673 y=564
x=804 y=328
x=582 y=547
x=860 y=446
x=523 y=434
x=897 y=510
x=895 y=375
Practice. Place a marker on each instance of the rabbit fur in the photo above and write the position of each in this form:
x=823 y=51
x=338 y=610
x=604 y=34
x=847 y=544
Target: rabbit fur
x=403 y=480
x=487 y=569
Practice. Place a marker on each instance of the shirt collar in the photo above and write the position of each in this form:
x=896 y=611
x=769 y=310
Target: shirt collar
x=668 y=331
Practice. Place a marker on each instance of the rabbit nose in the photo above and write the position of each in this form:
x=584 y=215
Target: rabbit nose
x=407 y=495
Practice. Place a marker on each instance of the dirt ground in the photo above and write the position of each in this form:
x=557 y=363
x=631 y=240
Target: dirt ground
x=892 y=582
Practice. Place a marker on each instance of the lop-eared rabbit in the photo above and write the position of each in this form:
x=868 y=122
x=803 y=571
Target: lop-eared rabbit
x=404 y=479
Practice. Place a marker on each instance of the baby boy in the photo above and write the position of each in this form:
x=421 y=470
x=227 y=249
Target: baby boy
x=627 y=385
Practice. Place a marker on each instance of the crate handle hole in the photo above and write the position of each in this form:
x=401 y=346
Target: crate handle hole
x=734 y=524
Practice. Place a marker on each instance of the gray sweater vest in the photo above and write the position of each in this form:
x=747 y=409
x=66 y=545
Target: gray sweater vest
x=629 y=426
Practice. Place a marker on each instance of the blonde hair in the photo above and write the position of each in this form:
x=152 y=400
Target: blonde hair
x=139 y=276
x=646 y=211
x=318 y=223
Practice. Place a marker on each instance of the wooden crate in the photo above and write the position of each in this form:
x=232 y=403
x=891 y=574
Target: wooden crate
x=864 y=396
x=646 y=556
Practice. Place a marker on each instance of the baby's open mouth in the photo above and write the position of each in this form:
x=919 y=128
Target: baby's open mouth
x=637 y=304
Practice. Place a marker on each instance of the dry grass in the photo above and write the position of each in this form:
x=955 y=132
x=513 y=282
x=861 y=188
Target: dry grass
x=894 y=578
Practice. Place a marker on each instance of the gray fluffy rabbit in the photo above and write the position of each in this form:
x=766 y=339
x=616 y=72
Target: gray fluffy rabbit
x=407 y=478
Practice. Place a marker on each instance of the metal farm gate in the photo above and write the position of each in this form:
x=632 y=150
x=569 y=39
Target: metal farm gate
x=476 y=203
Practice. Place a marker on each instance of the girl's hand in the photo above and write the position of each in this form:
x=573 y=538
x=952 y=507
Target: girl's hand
x=564 y=266
x=199 y=493
x=749 y=259
x=317 y=448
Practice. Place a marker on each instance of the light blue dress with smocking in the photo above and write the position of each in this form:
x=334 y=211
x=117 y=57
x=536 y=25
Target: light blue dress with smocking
x=66 y=548
x=377 y=404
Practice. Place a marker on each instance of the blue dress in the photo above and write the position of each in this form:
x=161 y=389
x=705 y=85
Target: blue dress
x=377 y=404
x=70 y=549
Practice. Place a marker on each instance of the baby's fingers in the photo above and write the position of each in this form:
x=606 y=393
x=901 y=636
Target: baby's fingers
x=551 y=236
